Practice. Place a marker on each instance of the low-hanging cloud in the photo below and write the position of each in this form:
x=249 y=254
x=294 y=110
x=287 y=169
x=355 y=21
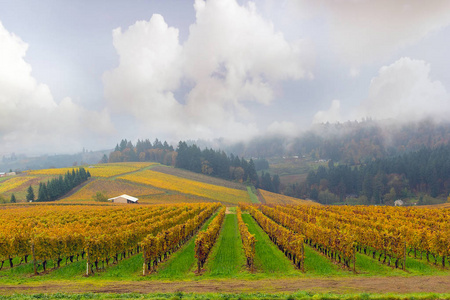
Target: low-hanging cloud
x=401 y=92
x=30 y=120
x=232 y=57
x=332 y=115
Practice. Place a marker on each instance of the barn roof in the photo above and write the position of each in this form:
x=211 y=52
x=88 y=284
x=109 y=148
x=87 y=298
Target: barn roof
x=134 y=199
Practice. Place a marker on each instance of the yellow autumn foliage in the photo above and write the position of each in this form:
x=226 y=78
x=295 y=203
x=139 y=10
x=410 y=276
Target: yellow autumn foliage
x=278 y=199
x=100 y=170
x=14 y=182
x=186 y=186
x=111 y=188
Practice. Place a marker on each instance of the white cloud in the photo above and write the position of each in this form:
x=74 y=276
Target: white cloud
x=283 y=128
x=364 y=31
x=405 y=91
x=354 y=72
x=30 y=120
x=332 y=115
x=232 y=56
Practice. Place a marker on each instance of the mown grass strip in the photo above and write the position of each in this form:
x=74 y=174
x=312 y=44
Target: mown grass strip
x=183 y=262
x=253 y=197
x=268 y=258
x=317 y=264
x=365 y=264
x=369 y=266
x=227 y=258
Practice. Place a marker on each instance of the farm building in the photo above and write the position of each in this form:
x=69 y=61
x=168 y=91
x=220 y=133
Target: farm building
x=398 y=202
x=124 y=199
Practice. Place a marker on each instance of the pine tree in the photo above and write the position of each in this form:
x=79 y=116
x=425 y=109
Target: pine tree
x=30 y=194
x=42 y=194
x=13 y=199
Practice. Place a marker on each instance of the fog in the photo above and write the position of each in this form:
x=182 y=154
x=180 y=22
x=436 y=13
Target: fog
x=216 y=69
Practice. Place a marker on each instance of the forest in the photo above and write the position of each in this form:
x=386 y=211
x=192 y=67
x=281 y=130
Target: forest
x=423 y=174
x=351 y=143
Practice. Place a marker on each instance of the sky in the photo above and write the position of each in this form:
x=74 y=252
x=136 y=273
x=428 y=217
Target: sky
x=86 y=74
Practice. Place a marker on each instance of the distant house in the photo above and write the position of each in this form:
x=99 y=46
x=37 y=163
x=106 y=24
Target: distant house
x=124 y=199
x=398 y=203
x=3 y=174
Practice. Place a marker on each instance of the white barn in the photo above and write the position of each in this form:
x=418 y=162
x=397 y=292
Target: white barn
x=124 y=199
x=398 y=202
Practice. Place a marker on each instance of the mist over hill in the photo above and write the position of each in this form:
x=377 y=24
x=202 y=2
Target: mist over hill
x=350 y=142
x=23 y=162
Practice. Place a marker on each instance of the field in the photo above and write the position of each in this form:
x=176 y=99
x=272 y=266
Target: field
x=150 y=182
x=100 y=170
x=272 y=198
x=225 y=195
x=273 y=272
x=111 y=188
x=344 y=252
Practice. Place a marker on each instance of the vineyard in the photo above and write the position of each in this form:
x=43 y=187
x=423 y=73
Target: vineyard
x=278 y=199
x=111 y=187
x=166 y=185
x=100 y=170
x=186 y=186
x=188 y=235
x=54 y=234
x=103 y=235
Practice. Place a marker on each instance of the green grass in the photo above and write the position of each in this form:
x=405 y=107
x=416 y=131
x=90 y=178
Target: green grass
x=124 y=270
x=317 y=264
x=182 y=263
x=268 y=258
x=368 y=266
x=253 y=197
x=227 y=258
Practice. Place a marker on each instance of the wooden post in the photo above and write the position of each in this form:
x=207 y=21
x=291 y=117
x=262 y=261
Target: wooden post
x=88 y=263
x=404 y=258
x=34 y=258
x=144 y=266
x=302 y=261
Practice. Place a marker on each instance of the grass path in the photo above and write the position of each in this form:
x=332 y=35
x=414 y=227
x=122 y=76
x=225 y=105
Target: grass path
x=268 y=258
x=227 y=257
x=253 y=197
x=183 y=262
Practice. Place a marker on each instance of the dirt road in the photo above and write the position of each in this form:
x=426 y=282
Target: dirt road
x=431 y=284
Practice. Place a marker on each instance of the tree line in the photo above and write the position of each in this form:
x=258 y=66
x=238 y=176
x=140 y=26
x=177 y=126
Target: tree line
x=144 y=150
x=58 y=187
x=382 y=181
x=351 y=143
x=219 y=164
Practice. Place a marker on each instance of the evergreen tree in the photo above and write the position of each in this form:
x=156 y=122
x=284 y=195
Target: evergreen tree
x=13 y=199
x=30 y=194
x=276 y=183
x=42 y=193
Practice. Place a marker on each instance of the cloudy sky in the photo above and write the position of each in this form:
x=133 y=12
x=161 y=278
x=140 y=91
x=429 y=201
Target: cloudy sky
x=77 y=74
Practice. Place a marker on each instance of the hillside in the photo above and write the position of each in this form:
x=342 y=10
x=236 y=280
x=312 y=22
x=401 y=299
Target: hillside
x=278 y=199
x=150 y=182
